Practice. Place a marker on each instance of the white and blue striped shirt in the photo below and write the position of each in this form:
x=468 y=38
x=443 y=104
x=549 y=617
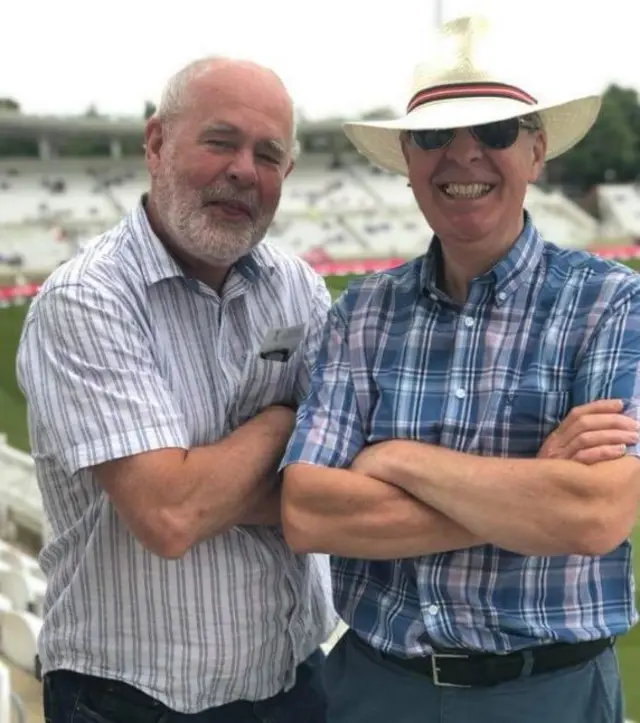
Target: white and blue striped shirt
x=123 y=353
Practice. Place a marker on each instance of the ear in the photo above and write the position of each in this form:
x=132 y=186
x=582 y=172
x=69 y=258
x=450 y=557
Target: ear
x=153 y=142
x=539 y=151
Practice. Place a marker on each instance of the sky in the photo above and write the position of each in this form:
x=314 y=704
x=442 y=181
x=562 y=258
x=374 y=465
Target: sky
x=337 y=57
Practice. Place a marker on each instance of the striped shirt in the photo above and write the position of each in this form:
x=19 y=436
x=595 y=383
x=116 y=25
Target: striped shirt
x=123 y=353
x=545 y=330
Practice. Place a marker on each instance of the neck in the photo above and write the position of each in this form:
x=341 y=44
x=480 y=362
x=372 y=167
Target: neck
x=212 y=276
x=464 y=261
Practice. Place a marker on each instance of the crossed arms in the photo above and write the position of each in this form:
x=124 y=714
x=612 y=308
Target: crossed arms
x=398 y=499
x=98 y=402
x=403 y=498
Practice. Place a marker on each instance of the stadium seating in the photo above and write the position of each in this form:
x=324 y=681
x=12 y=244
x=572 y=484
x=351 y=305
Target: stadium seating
x=345 y=208
x=20 y=500
x=619 y=207
x=5 y=693
x=22 y=590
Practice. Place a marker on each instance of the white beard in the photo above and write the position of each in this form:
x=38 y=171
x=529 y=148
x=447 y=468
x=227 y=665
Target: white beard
x=194 y=230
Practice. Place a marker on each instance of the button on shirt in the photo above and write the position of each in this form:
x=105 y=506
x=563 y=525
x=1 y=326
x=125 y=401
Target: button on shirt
x=545 y=330
x=122 y=353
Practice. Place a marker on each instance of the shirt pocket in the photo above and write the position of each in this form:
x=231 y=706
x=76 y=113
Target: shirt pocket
x=530 y=414
x=264 y=382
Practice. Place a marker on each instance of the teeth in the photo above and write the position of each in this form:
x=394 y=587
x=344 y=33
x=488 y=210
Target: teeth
x=466 y=190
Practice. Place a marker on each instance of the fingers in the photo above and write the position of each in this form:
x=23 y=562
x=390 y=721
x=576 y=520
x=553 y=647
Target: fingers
x=569 y=430
x=605 y=453
x=601 y=406
x=594 y=431
x=597 y=439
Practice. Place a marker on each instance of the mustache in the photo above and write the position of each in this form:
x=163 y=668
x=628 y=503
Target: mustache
x=229 y=194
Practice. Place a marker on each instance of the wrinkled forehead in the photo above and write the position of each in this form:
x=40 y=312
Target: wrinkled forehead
x=249 y=106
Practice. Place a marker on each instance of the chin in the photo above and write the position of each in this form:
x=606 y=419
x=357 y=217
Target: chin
x=466 y=230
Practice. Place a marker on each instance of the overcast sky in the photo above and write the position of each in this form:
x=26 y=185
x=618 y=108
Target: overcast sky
x=338 y=57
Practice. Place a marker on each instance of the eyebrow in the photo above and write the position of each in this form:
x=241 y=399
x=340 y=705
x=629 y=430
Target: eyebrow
x=226 y=129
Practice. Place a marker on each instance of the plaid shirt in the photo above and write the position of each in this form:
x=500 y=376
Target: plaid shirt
x=545 y=330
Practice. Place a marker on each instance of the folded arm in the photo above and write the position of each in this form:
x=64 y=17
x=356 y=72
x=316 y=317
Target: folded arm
x=546 y=506
x=528 y=506
x=327 y=507
x=346 y=513
x=106 y=407
x=171 y=499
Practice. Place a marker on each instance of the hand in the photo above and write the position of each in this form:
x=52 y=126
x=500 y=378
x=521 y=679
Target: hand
x=591 y=433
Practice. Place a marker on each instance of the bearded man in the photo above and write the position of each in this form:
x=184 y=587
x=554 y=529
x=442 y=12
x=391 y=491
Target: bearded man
x=161 y=370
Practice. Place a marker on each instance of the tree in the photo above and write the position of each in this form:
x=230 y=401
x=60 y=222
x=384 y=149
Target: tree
x=610 y=151
x=382 y=113
x=149 y=109
x=9 y=104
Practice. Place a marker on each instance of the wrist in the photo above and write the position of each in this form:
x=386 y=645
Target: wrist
x=410 y=467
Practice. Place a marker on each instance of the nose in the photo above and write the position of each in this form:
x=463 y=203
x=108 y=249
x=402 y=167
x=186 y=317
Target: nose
x=464 y=148
x=242 y=169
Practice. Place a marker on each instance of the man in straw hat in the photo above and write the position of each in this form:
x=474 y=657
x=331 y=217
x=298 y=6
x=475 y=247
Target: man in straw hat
x=468 y=448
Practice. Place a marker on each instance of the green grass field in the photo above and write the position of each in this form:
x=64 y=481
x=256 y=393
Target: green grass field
x=13 y=423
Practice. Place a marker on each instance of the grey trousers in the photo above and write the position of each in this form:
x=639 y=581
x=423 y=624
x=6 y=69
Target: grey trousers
x=362 y=688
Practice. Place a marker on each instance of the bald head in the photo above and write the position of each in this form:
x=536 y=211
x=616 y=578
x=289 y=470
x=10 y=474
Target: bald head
x=213 y=74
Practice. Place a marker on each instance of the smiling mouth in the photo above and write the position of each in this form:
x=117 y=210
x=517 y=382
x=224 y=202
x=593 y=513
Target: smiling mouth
x=466 y=190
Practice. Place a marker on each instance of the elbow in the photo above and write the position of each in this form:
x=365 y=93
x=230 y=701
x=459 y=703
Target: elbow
x=300 y=525
x=298 y=533
x=604 y=530
x=609 y=513
x=165 y=536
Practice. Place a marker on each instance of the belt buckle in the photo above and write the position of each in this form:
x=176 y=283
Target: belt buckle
x=435 y=670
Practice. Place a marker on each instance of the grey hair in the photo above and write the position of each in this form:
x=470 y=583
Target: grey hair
x=174 y=97
x=532 y=122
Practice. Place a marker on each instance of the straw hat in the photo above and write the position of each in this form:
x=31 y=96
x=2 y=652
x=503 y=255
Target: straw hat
x=473 y=78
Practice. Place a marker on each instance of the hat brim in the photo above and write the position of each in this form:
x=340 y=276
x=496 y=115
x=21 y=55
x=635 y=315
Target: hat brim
x=565 y=124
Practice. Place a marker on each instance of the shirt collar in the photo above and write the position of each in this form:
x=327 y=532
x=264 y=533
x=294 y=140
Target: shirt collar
x=157 y=263
x=511 y=271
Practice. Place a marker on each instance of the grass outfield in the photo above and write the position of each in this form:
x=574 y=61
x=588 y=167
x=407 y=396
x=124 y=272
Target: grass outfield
x=13 y=423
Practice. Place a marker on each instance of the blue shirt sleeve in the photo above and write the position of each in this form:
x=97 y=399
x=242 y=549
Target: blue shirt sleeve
x=329 y=430
x=609 y=368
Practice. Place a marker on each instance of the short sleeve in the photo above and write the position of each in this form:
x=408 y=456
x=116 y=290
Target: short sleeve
x=610 y=365
x=93 y=390
x=320 y=305
x=329 y=430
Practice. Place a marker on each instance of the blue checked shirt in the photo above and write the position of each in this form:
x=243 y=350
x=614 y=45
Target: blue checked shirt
x=545 y=330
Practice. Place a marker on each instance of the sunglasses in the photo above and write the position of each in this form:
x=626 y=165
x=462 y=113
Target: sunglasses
x=497 y=136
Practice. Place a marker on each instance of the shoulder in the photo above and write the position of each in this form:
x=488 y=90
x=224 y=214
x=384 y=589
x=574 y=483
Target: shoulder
x=103 y=272
x=592 y=281
x=388 y=290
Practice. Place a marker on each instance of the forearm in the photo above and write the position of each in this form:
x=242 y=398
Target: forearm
x=232 y=481
x=528 y=506
x=266 y=511
x=345 y=513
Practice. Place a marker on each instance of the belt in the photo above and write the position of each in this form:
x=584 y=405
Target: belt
x=482 y=670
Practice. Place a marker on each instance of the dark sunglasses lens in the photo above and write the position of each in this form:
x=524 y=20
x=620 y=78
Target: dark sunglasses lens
x=431 y=140
x=498 y=135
